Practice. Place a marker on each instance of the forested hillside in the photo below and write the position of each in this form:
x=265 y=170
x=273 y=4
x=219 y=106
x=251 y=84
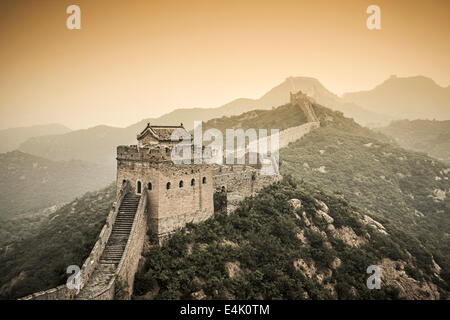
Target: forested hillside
x=408 y=188
x=35 y=252
x=355 y=199
x=292 y=241
x=430 y=136
x=29 y=183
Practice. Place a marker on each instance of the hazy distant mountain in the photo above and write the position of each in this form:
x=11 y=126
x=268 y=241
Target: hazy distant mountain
x=412 y=98
x=98 y=144
x=277 y=96
x=354 y=171
x=432 y=137
x=10 y=139
x=29 y=183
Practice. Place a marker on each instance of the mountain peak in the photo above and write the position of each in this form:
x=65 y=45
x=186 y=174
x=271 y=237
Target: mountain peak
x=415 y=97
x=418 y=80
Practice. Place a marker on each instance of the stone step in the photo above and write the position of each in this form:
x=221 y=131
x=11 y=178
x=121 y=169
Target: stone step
x=121 y=230
x=113 y=252
x=112 y=258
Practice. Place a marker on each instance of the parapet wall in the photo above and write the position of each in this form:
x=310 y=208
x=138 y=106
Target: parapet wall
x=62 y=292
x=239 y=182
x=130 y=259
x=296 y=133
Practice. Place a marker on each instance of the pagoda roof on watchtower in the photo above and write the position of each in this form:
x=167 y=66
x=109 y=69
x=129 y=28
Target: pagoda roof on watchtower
x=153 y=135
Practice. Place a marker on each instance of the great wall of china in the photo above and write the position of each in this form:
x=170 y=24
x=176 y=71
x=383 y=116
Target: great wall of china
x=155 y=195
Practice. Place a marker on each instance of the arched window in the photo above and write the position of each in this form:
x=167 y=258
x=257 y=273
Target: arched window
x=149 y=186
x=193 y=182
x=181 y=184
x=204 y=180
x=139 y=187
x=168 y=185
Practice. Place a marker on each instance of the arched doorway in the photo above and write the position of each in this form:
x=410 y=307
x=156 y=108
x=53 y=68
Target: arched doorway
x=139 y=187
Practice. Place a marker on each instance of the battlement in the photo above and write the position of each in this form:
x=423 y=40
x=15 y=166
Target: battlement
x=147 y=154
x=170 y=196
x=155 y=154
x=305 y=102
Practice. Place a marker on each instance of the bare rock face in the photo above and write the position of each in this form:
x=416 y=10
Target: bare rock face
x=316 y=229
x=307 y=222
x=296 y=203
x=436 y=268
x=336 y=263
x=371 y=222
x=301 y=236
x=190 y=246
x=331 y=290
x=349 y=237
x=438 y=195
x=199 y=295
x=234 y=269
x=393 y=274
x=308 y=269
x=323 y=212
x=322 y=205
x=229 y=243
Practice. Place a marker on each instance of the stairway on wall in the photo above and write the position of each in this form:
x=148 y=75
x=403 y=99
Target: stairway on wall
x=112 y=254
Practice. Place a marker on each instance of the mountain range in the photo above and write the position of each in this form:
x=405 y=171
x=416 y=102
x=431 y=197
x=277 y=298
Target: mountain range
x=29 y=183
x=405 y=98
x=349 y=198
x=10 y=139
x=430 y=136
x=98 y=144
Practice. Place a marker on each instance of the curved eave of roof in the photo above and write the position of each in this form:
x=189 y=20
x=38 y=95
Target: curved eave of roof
x=145 y=132
x=149 y=129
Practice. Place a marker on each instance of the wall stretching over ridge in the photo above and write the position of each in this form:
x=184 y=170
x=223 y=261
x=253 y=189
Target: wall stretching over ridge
x=239 y=181
x=121 y=283
x=62 y=292
x=130 y=260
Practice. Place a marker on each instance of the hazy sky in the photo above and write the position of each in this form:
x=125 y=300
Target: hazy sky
x=136 y=59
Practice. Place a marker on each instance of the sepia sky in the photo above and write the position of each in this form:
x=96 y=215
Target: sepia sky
x=136 y=59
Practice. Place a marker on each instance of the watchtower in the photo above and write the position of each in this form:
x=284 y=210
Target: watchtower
x=177 y=193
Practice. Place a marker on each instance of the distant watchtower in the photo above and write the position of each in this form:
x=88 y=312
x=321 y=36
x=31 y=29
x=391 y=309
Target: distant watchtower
x=177 y=193
x=305 y=103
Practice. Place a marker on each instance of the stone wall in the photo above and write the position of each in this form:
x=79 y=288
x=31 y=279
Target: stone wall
x=305 y=103
x=163 y=210
x=59 y=293
x=239 y=182
x=178 y=205
x=187 y=199
x=130 y=259
x=62 y=292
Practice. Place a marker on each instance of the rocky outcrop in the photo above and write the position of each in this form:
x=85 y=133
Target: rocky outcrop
x=393 y=274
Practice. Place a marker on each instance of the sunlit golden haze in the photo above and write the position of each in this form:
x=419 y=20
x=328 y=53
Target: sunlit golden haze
x=137 y=59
